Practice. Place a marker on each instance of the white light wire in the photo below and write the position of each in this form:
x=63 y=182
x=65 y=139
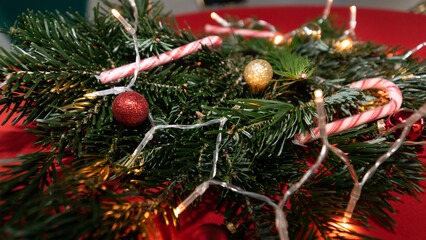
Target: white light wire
x=280 y=219
x=356 y=191
x=352 y=24
x=421 y=77
x=150 y=134
x=417 y=48
x=242 y=23
x=6 y=80
x=327 y=9
x=133 y=32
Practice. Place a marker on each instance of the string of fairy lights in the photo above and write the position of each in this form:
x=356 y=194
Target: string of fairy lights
x=280 y=220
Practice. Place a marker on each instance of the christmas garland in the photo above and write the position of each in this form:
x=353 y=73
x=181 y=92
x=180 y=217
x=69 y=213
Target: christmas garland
x=223 y=116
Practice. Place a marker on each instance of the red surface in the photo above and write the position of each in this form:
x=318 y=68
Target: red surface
x=387 y=27
x=14 y=140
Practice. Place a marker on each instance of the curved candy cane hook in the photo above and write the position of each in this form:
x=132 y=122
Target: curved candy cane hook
x=395 y=101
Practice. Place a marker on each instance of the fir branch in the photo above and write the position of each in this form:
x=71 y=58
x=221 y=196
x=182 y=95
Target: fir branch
x=79 y=180
x=289 y=65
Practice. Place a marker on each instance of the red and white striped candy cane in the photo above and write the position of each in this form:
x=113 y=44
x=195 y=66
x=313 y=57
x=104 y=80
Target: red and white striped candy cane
x=237 y=31
x=145 y=64
x=395 y=101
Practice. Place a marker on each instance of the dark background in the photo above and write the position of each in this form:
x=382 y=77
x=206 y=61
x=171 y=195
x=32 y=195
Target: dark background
x=10 y=10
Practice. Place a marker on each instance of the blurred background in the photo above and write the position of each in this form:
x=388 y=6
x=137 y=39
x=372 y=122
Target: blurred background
x=10 y=10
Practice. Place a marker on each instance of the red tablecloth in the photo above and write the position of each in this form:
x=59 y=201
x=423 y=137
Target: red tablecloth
x=387 y=27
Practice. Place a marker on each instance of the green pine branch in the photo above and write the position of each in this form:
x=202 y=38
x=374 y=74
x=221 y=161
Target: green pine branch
x=78 y=178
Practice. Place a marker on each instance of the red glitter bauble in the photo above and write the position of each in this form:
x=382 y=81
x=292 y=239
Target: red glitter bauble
x=402 y=116
x=130 y=109
x=210 y=231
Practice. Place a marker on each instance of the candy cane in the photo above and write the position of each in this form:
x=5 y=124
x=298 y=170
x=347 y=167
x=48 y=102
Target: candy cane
x=395 y=101
x=242 y=32
x=145 y=64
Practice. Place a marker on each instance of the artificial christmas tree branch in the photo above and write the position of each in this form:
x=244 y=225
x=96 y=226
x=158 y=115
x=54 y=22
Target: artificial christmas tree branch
x=80 y=180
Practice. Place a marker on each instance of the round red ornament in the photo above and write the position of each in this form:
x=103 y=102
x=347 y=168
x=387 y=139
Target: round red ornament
x=130 y=109
x=402 y=116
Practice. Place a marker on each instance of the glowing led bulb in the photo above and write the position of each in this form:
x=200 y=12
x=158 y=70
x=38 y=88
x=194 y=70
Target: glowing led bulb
x=115 y=13
x=318 y=96
x=353 y=13
x=125 y=24
x=178 y=210
x=278 y=39
x=90 y=95
x=219 y=19
x=344 y=45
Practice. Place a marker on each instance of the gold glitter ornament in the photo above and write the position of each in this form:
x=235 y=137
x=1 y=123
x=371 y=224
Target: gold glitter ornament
x=309 y=32
x=258 y=73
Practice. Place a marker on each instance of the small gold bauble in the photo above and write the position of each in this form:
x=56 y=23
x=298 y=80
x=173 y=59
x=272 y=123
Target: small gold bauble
x=309 y=32
x=258 y=73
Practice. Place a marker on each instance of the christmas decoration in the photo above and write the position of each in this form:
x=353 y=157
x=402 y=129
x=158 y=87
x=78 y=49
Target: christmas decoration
x=356 y=191
x=327 y=10
x=310 y=32
x=127 y=70
x=211 y=29
x=395 y=101
x=130 y=109
x=220 y=20
x=206 y=133
x=126 y=25
x=401 y=116
x=344 y=45
x=409 y=53
x=258 y=73
x=352 y=22
x=236 y=28
x=248 y=22
x=132 y=31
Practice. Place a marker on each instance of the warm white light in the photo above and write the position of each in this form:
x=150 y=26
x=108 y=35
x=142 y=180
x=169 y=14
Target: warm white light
x=318 y=96
x=352 y=22
x=353 y=12
x=409 y=76
x=126 y=25
x=219 y=19
x=342 y=229
x=278 y=39
x=342 y=225
x=214 y=15
x=90 y=95
x=344 y=45
x=318 y=93
x=178 y=210
x=115 y=13
x=347 y=216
